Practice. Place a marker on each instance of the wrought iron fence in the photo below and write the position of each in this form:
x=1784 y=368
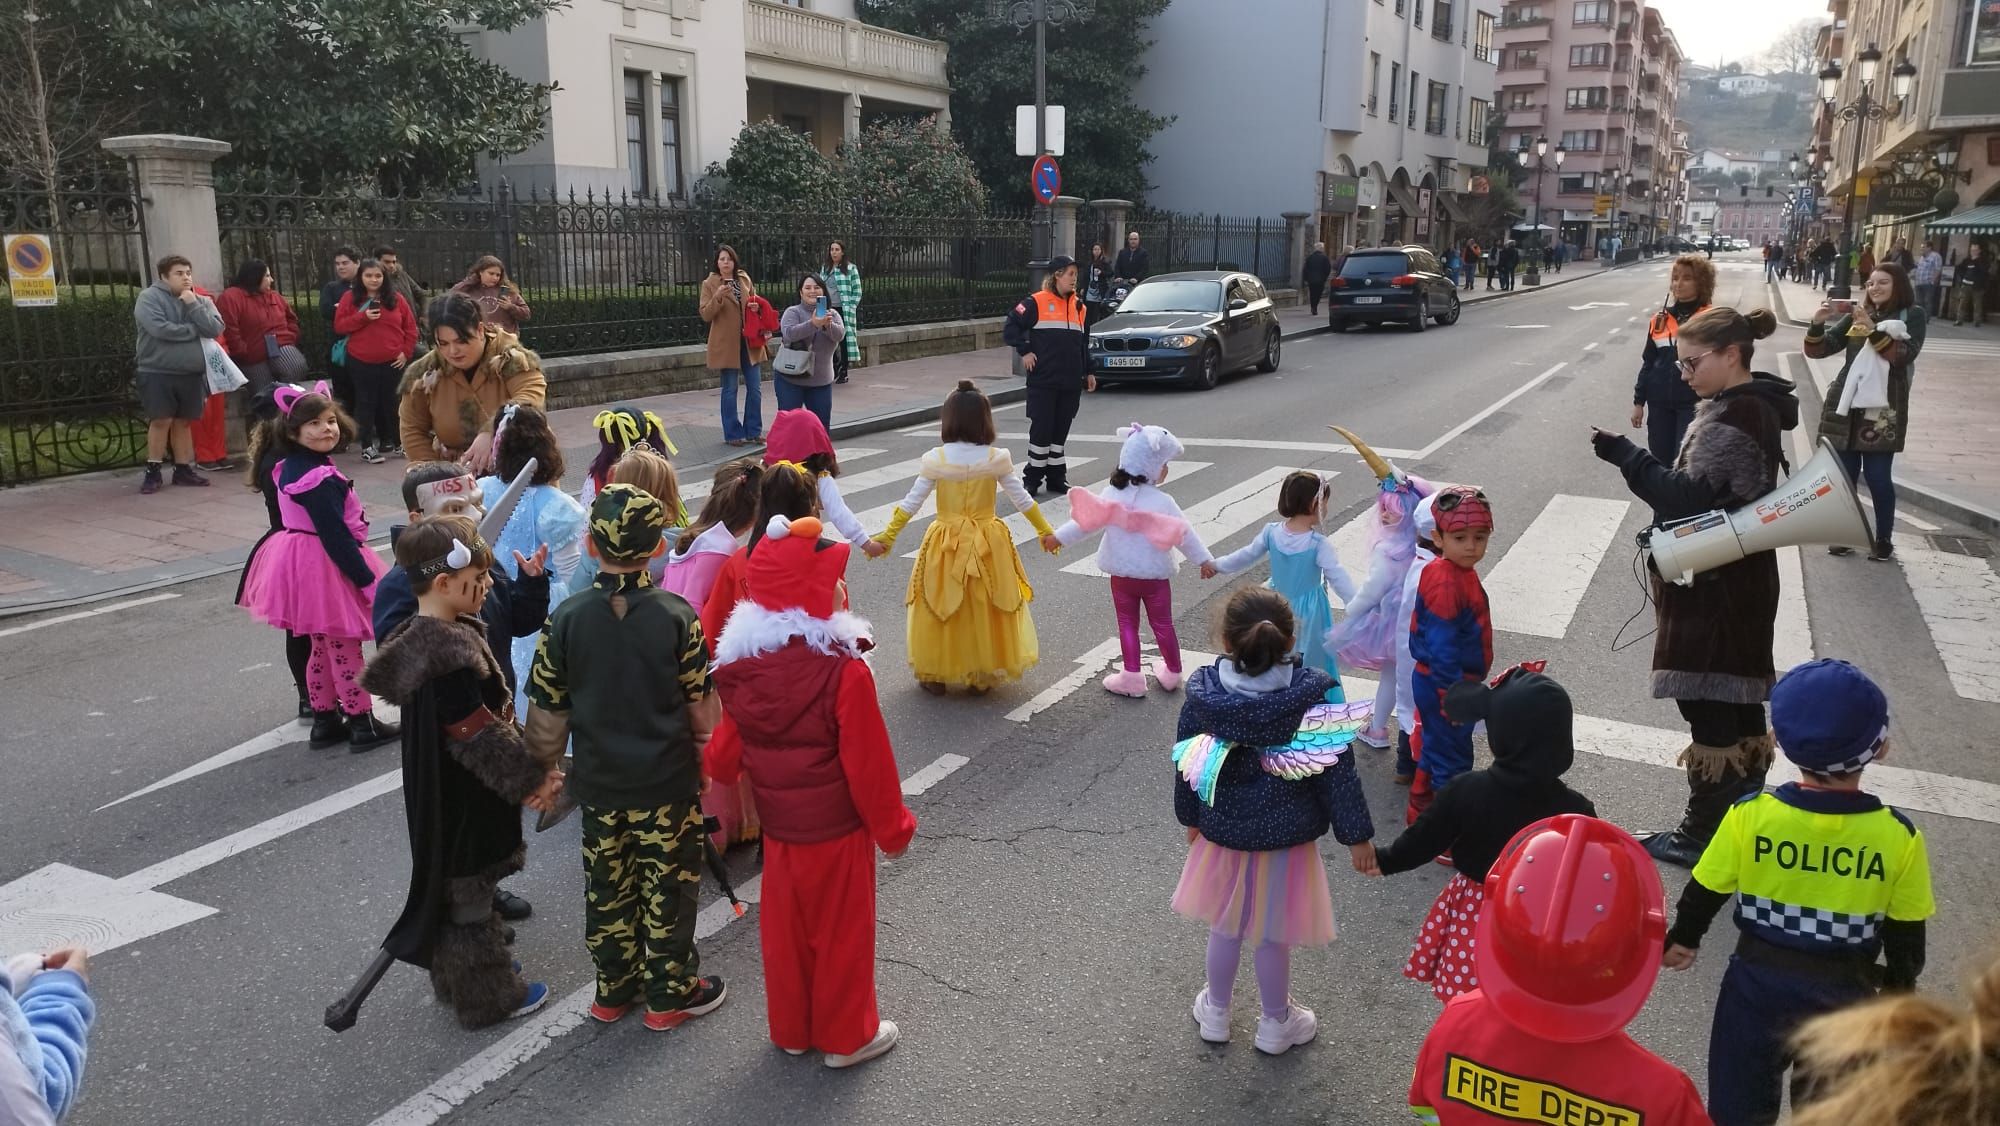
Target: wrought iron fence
x=605 y=274
x=66 y=399
x=1179 y=241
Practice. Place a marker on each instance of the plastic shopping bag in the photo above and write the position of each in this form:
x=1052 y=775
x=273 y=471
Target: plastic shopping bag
x=223 y=374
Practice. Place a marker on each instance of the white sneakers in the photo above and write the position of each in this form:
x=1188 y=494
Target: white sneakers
x=1213 y=1018
x=886 y=1035
x=1274 y=1037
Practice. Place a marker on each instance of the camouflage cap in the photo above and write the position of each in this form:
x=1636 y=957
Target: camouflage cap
x=626 y=523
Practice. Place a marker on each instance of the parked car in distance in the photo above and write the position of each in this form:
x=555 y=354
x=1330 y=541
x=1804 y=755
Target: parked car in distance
x=1384 y=285
x=1191 y=327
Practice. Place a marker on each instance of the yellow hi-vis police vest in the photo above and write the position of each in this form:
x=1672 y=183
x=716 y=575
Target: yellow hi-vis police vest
x=1819 y=870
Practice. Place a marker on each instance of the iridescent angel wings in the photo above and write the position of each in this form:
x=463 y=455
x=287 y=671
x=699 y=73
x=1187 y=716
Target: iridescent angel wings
x=1323 y=735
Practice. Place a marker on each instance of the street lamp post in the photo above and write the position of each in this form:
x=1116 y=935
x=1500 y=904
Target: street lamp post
x=1860 y=112
x=1534 y=276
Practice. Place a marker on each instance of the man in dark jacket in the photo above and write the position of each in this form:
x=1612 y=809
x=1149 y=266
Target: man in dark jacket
x=1132 y=262
x=1510 y=260
x=512 y=609
x=1048 y=330
x=1318 y=268
x=346 y=260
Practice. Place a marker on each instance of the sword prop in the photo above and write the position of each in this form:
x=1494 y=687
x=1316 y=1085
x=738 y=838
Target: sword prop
x=710 y=826
x=341 y=1014
x=503 y=509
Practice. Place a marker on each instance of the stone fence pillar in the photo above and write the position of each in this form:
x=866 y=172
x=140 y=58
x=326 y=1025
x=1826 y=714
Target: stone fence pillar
x=176 y=181
x=1063 y=215
x=1295 y=247
x=1112 y=213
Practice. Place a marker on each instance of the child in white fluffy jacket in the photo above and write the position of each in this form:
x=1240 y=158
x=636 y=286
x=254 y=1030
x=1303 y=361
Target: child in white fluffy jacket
x=1142 y=526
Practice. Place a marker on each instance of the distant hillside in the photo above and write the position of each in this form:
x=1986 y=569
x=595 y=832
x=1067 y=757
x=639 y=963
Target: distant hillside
x=1750 y=124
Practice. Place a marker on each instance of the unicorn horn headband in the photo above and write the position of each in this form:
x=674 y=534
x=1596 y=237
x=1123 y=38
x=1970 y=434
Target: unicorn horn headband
x=1376 y=464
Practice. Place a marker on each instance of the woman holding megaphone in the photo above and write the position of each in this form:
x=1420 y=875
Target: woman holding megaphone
x=1712 y=649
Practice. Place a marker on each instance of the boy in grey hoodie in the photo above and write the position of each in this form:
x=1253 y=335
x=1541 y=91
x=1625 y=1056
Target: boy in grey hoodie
x=172 y=321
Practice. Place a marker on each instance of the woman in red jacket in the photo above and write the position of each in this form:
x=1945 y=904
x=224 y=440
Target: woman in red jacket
x=381 y=332
x=259 y=330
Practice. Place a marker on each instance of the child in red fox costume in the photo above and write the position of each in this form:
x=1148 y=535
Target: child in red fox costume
x=802 y=720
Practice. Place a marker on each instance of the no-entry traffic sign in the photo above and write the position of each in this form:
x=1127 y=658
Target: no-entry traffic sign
x=1045 y=179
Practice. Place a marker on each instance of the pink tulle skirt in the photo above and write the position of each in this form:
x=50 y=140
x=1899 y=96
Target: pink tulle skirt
x=293 y=584
x=1279 y=896
x=1442 y=955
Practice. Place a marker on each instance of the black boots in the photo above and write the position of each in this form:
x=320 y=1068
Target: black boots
x=1718 y=777
x=365 y=732
x=1031 y=479
x=1884 y=551
x=329 y=727
x=305 y=706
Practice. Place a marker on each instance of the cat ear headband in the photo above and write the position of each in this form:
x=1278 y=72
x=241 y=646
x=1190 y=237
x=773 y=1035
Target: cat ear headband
x=287 y=395
x=458 y=558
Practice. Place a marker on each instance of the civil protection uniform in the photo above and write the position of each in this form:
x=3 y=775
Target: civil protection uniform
x=1668 y=399
x=1051 y=328
x=1567 y=949
x=1822 y=880
x=802 y=722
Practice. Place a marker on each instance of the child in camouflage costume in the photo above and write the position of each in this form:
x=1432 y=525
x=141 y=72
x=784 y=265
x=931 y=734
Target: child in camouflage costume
x=623 y=667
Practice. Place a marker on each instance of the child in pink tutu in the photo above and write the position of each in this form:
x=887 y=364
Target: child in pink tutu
x=1528 y=726
x=316 y=577
x=1263 y=774
x=704 y=546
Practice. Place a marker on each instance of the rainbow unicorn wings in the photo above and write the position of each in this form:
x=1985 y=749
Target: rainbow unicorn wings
x=1324 y=733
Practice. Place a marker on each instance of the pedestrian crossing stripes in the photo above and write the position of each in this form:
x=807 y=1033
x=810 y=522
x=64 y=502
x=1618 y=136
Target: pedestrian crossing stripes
x=1219 y=517
x=693 y=492
x=1959 y=597
x=1538 y=585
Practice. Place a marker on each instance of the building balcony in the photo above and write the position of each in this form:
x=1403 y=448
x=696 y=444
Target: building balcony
x=1524 y=117
x=841 y=46
x=1538 y=30
x=1537 y=76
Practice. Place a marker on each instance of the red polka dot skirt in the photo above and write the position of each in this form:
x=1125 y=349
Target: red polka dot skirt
x=1442 y=955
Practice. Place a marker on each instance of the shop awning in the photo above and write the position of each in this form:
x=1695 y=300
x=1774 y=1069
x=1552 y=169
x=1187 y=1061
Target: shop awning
x=1900 y=220
x=1405 y=199
x=1454 y=209
x=1978 y=221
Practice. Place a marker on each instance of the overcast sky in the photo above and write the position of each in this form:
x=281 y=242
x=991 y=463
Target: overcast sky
x=1733 y=30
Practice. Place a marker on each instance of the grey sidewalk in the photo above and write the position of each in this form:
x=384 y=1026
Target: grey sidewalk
x=77 y=540
x=1951 y=464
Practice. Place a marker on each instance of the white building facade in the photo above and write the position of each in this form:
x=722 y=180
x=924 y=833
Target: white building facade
x=653 y=91
x=1369 y=115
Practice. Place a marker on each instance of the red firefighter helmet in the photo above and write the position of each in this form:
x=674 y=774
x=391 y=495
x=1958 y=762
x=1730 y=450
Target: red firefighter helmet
x=1568 y=944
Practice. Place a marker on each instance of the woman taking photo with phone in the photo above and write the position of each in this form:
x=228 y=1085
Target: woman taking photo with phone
x=1712 y=651
x=812 y=326
x=498 y=297
x=381 y=332
x=1865 y=414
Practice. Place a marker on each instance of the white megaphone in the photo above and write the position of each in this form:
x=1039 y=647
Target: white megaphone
x=1816 y=505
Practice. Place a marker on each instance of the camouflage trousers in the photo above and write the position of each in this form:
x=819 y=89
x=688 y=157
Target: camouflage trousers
x=642 y=881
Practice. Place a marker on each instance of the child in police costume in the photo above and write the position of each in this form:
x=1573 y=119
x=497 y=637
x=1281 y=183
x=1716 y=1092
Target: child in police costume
x=1825 y=878
x=623 y=667
x=466 y=775
x=1566 y=955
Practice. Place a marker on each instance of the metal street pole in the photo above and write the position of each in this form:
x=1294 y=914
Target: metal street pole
x=1860 y=112
x=1044 y=232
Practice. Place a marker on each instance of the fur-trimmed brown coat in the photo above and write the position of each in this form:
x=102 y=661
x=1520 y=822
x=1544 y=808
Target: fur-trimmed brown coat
x=1714 y=637
x=466 y=770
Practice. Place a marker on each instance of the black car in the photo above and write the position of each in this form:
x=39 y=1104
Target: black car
x=1189 y=327
x=1399 y=285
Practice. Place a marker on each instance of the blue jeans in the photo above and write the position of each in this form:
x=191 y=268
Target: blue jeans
x=818 y=400
x=1876 y=471
x=751 y=423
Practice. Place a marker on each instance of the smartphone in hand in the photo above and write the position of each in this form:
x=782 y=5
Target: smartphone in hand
x=820 y=309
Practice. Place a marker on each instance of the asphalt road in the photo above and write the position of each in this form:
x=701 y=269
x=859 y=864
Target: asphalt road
x=1027 y=948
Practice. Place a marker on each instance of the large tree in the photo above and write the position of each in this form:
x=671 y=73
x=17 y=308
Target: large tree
x=1796 y=50
x=1094 y=64
x=326 y=90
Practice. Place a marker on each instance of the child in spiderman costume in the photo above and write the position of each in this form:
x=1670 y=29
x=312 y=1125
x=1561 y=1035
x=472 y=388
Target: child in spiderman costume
x=1451 y=637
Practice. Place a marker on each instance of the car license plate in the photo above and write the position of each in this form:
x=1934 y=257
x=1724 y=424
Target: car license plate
x=1368 y=301
x=1124 y=361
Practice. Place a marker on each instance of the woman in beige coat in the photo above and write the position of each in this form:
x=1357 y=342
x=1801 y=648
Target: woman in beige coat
x=726 y=296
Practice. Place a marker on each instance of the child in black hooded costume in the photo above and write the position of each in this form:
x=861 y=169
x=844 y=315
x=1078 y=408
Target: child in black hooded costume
x=1471 y=820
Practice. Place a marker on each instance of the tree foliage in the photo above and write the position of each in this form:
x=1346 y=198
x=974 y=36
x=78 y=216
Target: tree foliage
x=49 y=123
x=1796 y=50
x=1094 y=64
x=896 y=167
x=325 y=90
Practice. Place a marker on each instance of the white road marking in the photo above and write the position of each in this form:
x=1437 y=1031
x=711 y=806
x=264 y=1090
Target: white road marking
x=1524 y=326
x=931 y=775
x=1959 y=596
x=1217 y=518
x=1791 y=637
x=282 y=735
x=1055 y=510
x=1598 y=305
x=1918 y=522
x=1631 y=320
x=1087 y=667
x=1351 y=544
x=96 y=611
x=1616 y=332
x=1590 y=347
x=264 y=832
x=1538 y=585
x=255 y=667
x=1482 y=416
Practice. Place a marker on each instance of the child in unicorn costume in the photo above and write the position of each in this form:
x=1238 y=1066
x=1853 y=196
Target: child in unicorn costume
x=1378 y=617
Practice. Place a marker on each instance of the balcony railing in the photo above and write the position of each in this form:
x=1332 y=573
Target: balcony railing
x=781 y=31
x=1524 y=76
